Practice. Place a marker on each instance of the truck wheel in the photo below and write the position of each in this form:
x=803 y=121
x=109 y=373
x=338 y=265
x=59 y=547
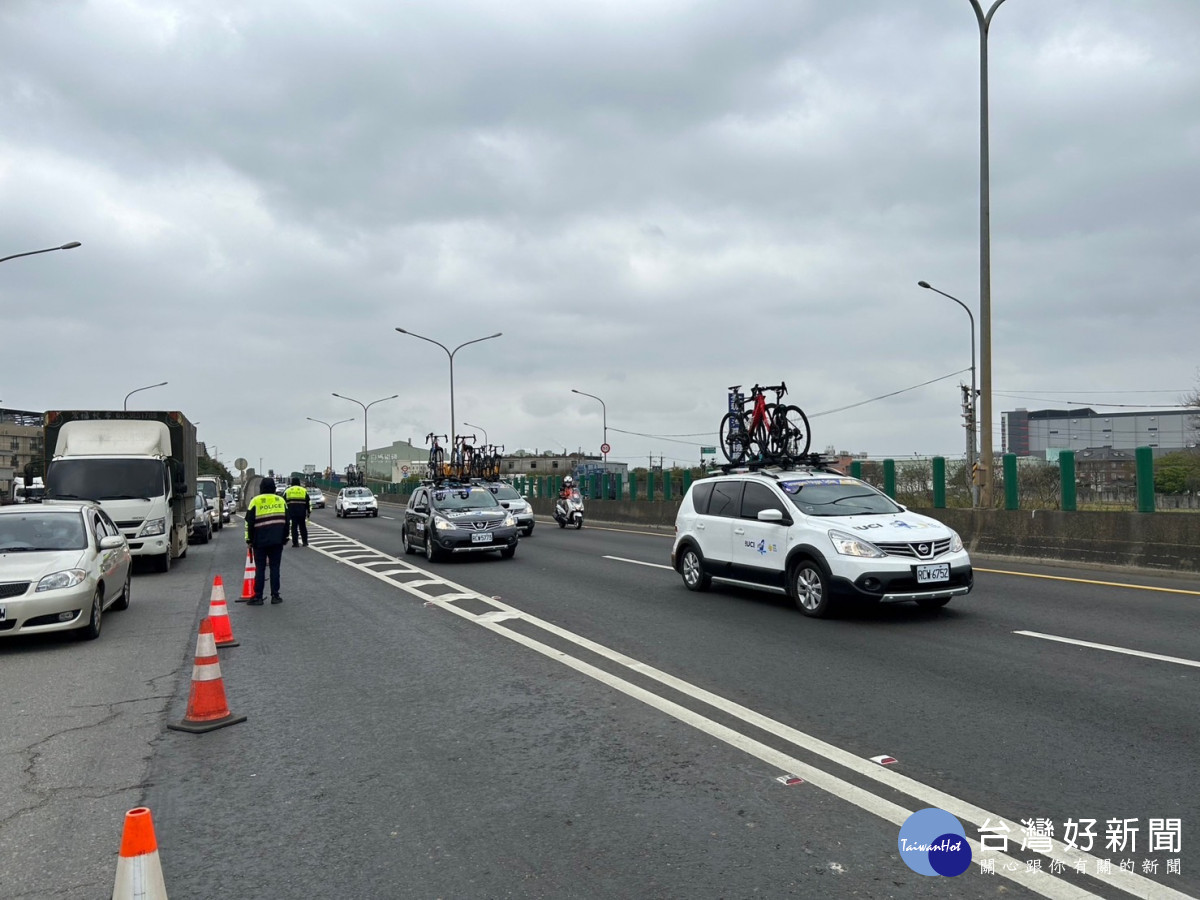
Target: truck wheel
x=163 y=563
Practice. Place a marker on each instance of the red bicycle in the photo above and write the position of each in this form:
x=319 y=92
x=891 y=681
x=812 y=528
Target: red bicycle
x=764 y=432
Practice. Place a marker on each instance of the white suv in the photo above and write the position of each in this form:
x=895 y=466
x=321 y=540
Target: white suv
x=355 y=501
x=817 y=535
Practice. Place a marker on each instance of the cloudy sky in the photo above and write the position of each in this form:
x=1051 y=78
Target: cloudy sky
x=651 y=199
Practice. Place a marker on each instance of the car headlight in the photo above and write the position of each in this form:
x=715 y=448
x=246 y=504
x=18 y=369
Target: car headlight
x=152 y=527
x=60 y=580
x=442 y=524
x=509 y=521
x=956 y=543
x=849 y=545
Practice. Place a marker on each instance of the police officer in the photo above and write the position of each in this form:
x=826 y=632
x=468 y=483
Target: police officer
x=266 y=532
x=299 y=509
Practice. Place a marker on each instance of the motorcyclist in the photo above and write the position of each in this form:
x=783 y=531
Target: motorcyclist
x=568 y=488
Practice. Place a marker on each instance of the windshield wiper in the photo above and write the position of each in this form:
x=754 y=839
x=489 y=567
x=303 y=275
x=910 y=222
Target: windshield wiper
x=122 y=497
x=68 y=497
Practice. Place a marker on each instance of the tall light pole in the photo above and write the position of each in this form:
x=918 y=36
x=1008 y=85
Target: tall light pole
x=604 y=412
x=971 y=421
x=70 y=246
x=481 y=428
x=985 y=254
x=330 y=427
x=365 y=407
x=450 y=353
x=146 y=388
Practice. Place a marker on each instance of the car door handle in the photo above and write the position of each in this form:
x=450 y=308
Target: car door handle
x=699 y=526
x=739 y=531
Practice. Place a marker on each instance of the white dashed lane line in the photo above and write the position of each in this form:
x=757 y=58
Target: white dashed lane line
x=1111 y=648
x=638 y=562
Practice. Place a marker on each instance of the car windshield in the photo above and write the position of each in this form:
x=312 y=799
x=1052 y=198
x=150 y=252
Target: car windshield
x=464 y=498
x=314 y=492
x=45 y=531
x=105 y=479
x=208 y=489
x=505 y=492
x=358 y=493
x=837 y=497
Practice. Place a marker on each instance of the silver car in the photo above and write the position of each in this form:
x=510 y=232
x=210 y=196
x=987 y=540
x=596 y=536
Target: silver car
x=516 y=505
x=61 y=567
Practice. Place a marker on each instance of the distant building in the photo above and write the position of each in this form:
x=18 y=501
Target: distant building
x=21 y=443
x=1032 y=433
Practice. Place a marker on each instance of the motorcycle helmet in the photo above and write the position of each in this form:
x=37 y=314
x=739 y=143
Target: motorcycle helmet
x=568 y=481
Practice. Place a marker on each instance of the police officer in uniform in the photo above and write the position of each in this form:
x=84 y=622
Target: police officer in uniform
x=299 y=509
x=266 y=532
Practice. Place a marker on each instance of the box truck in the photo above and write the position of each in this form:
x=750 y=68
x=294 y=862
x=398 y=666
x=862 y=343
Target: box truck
x=139 y=465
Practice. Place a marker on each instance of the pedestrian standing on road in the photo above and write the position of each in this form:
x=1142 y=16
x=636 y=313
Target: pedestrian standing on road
x=299 y=509
x=266 y=532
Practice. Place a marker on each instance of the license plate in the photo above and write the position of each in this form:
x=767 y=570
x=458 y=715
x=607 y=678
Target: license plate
x=481 y=537
x=933 y=574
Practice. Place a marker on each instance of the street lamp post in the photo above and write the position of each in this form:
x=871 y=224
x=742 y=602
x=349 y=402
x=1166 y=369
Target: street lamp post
x=985 y=254
x=146 y=388
x=330 y=427
x=604 y=413
x=481 y=428
x=365 y=407
x=70 y=246
x=970 y=422
x=450 y=353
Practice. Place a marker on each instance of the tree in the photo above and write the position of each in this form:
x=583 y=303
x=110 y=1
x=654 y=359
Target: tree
x=1177 y=473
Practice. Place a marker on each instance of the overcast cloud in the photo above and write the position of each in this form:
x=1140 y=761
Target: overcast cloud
x=652 y=200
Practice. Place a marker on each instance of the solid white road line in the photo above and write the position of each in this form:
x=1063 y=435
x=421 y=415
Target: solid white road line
x=638 y=562
x=1142 y=653
x=1039 y=880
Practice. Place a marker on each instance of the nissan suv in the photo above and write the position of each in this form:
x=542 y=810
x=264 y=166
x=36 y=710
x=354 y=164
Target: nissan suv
x=457 y=518
x=819 y=536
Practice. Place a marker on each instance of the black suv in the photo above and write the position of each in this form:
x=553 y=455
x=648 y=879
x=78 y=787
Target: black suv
x=449 y=518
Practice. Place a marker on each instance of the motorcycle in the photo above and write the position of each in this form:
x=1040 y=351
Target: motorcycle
x=569 y=510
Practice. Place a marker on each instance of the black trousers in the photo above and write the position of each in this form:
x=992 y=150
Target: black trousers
x=262 y=556
x=300 y=530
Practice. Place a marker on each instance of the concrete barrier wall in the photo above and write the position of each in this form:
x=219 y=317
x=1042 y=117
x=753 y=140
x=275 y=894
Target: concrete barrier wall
x=1167 y=541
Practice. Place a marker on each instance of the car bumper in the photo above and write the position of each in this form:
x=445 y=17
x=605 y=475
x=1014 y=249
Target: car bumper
x=460 y=541
x=360 y=510
x=36 y=613
x=899 y=586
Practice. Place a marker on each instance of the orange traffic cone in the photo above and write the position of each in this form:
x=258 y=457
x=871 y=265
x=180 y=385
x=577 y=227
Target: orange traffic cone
x=248 y=579
x=139 y=871
x=219 y=613
x=207 y=707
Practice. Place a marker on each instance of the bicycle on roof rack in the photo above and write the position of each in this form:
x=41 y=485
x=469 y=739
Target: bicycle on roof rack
x=437 y=456
x=488 y=462
x=462 y=456
x=756 y=431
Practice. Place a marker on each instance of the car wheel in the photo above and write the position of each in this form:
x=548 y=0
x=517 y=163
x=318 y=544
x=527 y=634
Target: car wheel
x=404 y=542
x=431 y=552
x=809 y=588
x=91 y=630
x=527 y=532
x=508 y=552
x=163 y=563
x=692 y=570
x=122 y=602
x=375 y=515
x=932 y=602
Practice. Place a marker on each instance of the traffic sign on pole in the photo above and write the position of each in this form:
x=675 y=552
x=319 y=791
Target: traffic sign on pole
x=604 y=448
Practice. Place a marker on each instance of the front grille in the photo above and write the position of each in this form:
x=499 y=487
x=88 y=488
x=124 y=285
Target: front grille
x=485 y=526
x=134 y=524
x=13 y=589
x=915 y=549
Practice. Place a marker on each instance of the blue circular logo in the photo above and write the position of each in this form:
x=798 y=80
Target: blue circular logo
x=933 y=842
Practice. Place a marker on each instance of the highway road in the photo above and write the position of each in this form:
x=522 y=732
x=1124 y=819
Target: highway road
x=574 y=723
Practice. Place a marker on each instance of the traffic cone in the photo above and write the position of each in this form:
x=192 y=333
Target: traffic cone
x=248 y=579
x=139 y=871
x=219 y=613
x=207 y=707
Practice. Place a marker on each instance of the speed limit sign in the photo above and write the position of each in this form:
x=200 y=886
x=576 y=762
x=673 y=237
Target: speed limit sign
x=604 y=448
x=404 y=470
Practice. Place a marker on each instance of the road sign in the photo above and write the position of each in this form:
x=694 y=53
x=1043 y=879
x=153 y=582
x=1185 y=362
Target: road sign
x=404 y=470
x=708 y=451
x=240 y=463
x=604 y=448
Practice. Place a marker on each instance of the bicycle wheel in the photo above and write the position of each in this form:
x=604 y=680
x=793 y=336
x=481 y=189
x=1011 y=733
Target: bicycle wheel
x=734 y=440
x=791 y=434
x=761 y=447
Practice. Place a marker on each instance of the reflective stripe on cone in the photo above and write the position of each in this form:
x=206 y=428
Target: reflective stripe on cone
x=207 y=708
x=218 y=611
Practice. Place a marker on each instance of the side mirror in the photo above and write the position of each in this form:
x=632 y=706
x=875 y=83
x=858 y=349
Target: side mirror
x=421 y=508
x=112 y=542
x=770 y=515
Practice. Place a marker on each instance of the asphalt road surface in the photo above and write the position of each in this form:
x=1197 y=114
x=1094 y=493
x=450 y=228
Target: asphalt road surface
x=574 y=723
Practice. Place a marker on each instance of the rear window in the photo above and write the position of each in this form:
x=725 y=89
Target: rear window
x=701 y=491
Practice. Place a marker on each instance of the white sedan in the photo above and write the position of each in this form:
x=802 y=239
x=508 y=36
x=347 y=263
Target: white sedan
x=352 y=501
x=61 y=567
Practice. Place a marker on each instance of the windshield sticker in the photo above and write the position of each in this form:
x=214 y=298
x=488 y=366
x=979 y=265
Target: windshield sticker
x=793 y=487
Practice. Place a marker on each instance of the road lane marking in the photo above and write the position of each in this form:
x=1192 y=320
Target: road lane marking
x=1038 y=880
x=638 y=562
x=389 y=518
x=1136 y=587
x=1110 y=647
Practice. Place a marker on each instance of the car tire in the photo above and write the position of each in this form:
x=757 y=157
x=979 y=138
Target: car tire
x=431 y=552
x=91 y=630
x=508 y=552
x=404 y=542
x=527 y=532
x=163 y=563
x=932 y=602
x=122 y=602
x=808 y=587
x=375 y=515
x=691 y=567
